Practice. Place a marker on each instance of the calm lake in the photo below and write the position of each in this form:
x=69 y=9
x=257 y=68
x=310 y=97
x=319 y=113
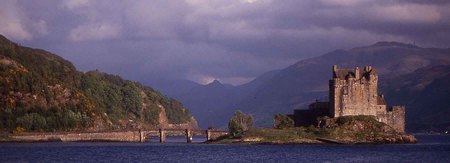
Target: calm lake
x=432 y=148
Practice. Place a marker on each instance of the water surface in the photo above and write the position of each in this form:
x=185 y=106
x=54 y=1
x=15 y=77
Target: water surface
x=430 y=149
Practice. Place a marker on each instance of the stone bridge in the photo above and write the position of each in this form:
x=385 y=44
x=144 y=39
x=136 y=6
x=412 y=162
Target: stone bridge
x=121 y=136
x=188 y=133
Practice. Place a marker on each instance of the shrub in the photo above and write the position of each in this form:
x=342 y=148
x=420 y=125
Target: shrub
x=283 y=121
x=240 y=123
x=32 y=121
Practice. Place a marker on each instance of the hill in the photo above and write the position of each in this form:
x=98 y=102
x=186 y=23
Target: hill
x=425 y=92
x=212 y=99
x=41 y=91
x=296 y=86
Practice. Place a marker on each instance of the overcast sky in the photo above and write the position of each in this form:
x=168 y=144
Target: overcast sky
x=230 y=40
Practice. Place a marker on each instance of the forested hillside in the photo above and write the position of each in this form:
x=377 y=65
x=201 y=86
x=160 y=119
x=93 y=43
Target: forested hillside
x=41 y=91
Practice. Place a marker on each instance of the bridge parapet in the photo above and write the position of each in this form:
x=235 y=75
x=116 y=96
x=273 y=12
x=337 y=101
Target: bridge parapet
x=188 y=133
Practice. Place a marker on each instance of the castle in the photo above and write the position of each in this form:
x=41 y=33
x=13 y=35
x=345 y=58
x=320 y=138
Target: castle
x=353 y=92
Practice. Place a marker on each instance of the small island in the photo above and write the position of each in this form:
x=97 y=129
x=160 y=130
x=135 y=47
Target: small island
x=343 y=130
x=355 y=113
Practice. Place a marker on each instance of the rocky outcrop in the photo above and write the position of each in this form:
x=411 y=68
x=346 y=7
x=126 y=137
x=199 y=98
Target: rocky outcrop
x=164 y=121
x=394 y=139
x=364 y=129
x=192 y=124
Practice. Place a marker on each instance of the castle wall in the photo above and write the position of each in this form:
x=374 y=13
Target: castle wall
x=394 y=117
x=332 y=93
x=303 y=117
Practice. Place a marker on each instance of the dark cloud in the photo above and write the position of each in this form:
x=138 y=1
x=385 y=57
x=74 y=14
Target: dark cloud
x=232 y=41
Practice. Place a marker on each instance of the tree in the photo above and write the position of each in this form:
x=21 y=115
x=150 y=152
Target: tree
x=132 y=98
x=33 y=121
x=239 y=123
x=283 y=121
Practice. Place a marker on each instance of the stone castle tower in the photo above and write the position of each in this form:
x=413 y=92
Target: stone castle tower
x=353 y=92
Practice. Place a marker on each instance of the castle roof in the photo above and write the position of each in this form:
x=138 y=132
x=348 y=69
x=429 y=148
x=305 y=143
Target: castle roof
x=351 y=73
x=370 y=70
x=344 y=73
x=380 y=100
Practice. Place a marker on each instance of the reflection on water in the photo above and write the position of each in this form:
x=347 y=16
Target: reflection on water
x=177 y=139
x=433 y=139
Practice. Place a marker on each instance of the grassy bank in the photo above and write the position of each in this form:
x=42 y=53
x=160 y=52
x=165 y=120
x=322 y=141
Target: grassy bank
x=346 y=130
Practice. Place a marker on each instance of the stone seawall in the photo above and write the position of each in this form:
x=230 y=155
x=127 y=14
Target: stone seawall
x=123 y=136
x=120 y=136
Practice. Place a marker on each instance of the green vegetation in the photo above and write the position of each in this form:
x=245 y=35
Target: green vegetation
x=174 y=113
x=40 y=91
x=283 y=121
x=283 y=135
x=348 y=129
x=240 y=123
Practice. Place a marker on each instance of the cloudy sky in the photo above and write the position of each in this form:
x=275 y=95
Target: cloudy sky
x=200 y=40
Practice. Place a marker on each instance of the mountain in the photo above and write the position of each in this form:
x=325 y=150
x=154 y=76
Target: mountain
x=41 y=91
x=213 y=102
x=296 y=86
x=171 y=87
x=210 y=99
x=425 y=92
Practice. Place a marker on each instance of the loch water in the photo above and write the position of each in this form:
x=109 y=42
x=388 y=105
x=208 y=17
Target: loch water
x=431 y=148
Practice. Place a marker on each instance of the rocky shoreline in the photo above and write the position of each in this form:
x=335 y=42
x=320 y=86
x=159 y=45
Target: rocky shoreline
x=404 y=139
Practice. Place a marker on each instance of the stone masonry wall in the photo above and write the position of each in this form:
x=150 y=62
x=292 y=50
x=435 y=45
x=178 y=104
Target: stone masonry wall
x=356 y=94
x=395 y=118
x=125 y=136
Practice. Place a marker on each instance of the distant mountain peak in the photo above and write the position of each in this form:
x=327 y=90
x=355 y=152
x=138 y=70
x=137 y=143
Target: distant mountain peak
x=393 y=43
x=215 y=82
